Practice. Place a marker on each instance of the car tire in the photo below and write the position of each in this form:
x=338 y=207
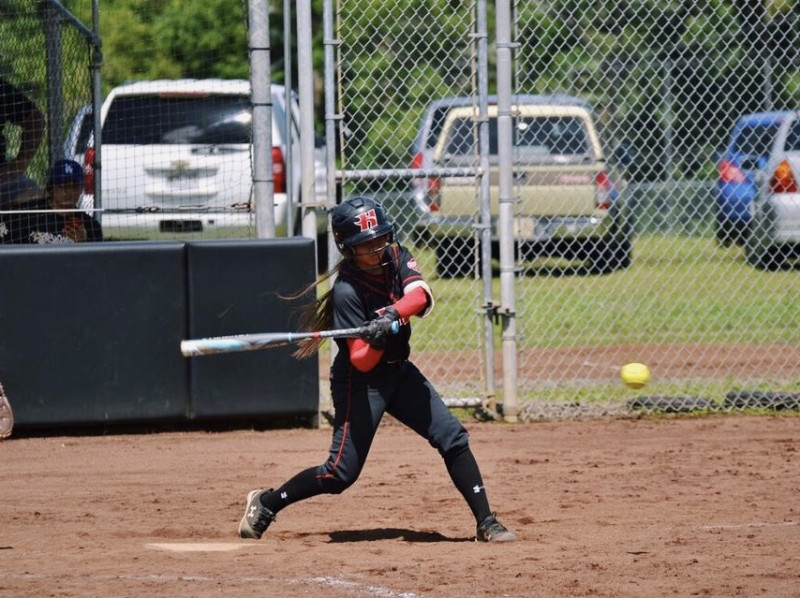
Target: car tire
x=455 y=257
x=759 y=251
x=729 y=233
x=609 y=256
x=769 y=258
x=724 y=232
x=624 y=253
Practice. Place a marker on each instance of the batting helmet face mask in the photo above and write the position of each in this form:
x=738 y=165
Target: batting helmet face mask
x=358 y=220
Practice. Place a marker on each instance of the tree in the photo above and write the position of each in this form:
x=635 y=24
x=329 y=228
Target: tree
x=204 y=43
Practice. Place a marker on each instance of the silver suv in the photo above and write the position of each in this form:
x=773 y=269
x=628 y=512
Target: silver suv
x=774 y=235
x=177 y=159
x=567 y=205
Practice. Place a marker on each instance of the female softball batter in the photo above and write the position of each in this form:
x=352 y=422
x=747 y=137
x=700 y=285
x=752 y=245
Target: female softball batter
x=378 y=283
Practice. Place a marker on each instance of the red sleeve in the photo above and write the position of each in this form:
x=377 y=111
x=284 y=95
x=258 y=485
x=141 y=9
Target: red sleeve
x=412 y=303
x=363 y=356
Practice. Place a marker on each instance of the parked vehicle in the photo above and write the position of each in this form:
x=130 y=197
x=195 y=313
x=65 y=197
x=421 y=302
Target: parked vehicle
x=430 y=129
x=775 y=227
x=739 y=169
x=568 y=205
x=177 y=159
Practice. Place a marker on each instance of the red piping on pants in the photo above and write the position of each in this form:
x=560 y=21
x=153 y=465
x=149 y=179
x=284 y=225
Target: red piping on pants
x=345 y=428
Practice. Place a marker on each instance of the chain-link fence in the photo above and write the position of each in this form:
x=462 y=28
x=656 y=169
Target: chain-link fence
x=607 y=233
x=669 y=286
x=46 y=79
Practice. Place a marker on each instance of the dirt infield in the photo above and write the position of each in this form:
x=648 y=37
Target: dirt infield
x=641 y=507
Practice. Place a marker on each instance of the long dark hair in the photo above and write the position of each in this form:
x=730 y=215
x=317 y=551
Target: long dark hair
x=317 y=314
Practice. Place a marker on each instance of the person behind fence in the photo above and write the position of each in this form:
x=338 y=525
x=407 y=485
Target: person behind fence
x=379 y=284
x=55 y=218
x=16 y=109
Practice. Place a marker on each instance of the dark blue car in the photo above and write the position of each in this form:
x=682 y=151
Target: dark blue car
x=738 y=169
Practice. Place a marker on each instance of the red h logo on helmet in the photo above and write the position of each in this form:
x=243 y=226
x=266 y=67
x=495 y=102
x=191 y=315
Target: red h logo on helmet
x=367 y=220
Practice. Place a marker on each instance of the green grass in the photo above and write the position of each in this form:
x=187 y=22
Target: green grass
x=677 y=290
x=683 y=290
x=143 y=234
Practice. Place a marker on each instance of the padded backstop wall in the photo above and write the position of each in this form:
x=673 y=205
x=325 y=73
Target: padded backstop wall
x=90 y=334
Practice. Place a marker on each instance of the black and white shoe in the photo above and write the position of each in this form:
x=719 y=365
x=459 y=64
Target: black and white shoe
x=256 y=518
x=491 y=530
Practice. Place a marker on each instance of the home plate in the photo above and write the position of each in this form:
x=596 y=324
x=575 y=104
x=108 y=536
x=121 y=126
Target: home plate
x=197 y=546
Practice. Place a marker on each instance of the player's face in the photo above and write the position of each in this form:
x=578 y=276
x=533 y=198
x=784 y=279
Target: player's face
x=65 y=197
x=369 y=255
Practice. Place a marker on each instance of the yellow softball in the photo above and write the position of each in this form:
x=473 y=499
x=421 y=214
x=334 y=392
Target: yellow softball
x=635 y=375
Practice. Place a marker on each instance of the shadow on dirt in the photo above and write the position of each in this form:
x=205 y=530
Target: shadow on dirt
x=391 y=533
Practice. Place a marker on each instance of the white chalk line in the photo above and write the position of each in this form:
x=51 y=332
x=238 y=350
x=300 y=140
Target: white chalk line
x=368 y=589
x=353 y=588
x=751 y=525
x=334 y=582
x=196 y=546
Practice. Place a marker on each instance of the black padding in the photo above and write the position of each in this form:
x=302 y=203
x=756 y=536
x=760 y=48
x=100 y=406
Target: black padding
x=672 y=404
x=90 y=333
x=236 y=287
x=741 y=399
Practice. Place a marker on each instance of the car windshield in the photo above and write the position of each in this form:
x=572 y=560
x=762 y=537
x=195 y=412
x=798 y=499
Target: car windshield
x=755 y=140
x=533 y=136
x=178 y=119
x=437 y=122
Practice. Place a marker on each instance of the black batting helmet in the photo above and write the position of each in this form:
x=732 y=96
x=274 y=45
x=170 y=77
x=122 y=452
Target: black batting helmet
x=357 y=220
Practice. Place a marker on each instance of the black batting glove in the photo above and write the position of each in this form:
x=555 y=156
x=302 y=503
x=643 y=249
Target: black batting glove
x=381 y=326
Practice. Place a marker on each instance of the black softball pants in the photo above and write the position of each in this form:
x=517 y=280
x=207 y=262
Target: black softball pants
x=360 y=401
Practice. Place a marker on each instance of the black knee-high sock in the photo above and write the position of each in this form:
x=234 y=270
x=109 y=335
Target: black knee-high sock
x=303 y=485
x=466 y=476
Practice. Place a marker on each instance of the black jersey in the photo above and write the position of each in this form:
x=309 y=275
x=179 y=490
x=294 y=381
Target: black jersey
x=45 y=227
x=360 y=296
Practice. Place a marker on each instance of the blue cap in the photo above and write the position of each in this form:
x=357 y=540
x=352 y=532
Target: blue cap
x=65 y=172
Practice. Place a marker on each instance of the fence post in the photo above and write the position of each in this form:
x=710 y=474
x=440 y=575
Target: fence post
x=55 y=99
x=506 y=213
x=485 y=244
x=305 y=83
x=261 y=90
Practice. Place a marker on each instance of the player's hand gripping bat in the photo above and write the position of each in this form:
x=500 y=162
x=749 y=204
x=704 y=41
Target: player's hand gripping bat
x=268 y=340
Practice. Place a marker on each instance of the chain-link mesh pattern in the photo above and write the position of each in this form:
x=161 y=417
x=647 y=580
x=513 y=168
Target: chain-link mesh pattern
x=45 y=67
x=415 y=52
x=621 y=249
x=665 y=83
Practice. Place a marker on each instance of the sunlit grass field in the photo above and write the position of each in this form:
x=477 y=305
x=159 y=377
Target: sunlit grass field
x=677 y=290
